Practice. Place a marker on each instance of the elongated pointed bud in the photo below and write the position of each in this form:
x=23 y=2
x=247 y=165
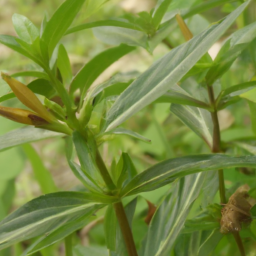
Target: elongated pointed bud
x=184 y=28
x=22 y=116
x=28 y=98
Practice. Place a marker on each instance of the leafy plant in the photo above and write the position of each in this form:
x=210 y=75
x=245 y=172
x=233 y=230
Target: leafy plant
x=87 y=115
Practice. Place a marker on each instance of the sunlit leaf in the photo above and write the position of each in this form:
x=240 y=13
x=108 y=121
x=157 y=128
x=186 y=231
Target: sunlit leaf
x=167 y=71
x=169 y=170
x=25 y=29
x=171 y=215
x=60 y=21
x=45 y=214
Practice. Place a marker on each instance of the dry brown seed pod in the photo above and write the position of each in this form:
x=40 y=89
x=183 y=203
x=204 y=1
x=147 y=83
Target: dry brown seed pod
x=236 y=211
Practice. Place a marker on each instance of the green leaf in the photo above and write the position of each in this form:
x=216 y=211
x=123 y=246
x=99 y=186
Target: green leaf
x=112 y=87
x=169 y=170
x=63 y=64
x=166 y=72
x=59 y=234
x=37 y=74
x=25 y=29
x=60 y=22
x=170 y=217
x=238 y=89
x=122 y=131
x=10 y=41
x=80 y=173
x=253 y=212
x=179 y=96
x=128 y=171
x=250 y=95
x=198 y=120
x=117 y=35
x=110 y=226
x=87 y=157
x=104 y=23
x=42 y=175
x=209 y=245
x=38 y=86
x=187 y=244
x=203 y=221
x=159 y=12
x=45 y=214
x=233 y=47
x=90 y=71
x=25 y=135
x=92 y=6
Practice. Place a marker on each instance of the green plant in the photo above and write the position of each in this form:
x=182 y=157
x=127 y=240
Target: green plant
x=202 y=92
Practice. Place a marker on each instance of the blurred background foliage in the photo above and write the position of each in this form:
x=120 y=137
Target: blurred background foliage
x=19 y=181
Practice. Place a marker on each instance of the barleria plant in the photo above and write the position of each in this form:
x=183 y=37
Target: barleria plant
x=200 y=213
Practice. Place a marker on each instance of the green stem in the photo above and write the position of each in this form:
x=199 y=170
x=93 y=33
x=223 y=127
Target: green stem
x=239 y=243
x=68 y=245
x=217 y=149
x=125 y=229
x=216 y=142
x=119 y=209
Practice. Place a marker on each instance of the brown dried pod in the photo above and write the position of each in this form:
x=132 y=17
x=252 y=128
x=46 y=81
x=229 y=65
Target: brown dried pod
x=236 y=211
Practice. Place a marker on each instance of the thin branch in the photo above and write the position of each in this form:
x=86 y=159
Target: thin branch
x=125 y=228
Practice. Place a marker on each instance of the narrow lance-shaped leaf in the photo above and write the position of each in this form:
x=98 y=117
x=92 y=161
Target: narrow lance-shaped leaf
x=63 y=64
x=90 y=71
x=209 y=245
x=169 y=170
x=37 y=74
x=87 y=157
x=179 y=96
x=80 y=173
x=159 y=12
x=167 y=71
x=25 y=29
x=10 y=41
x=25 y=135
x=170 y=217
x=45 y=214
x=59 y=234
x=56 y=27
x=103 y=23
x=198 y=120
x=233 y=47
x=117 y=35
x=122 y=131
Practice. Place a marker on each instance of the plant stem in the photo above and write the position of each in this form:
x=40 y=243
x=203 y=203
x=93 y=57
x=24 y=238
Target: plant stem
x=217 y=149
x=68 y=245
x=239 y=243
x=119 y=209
x=216 y=142
x=125 y=229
